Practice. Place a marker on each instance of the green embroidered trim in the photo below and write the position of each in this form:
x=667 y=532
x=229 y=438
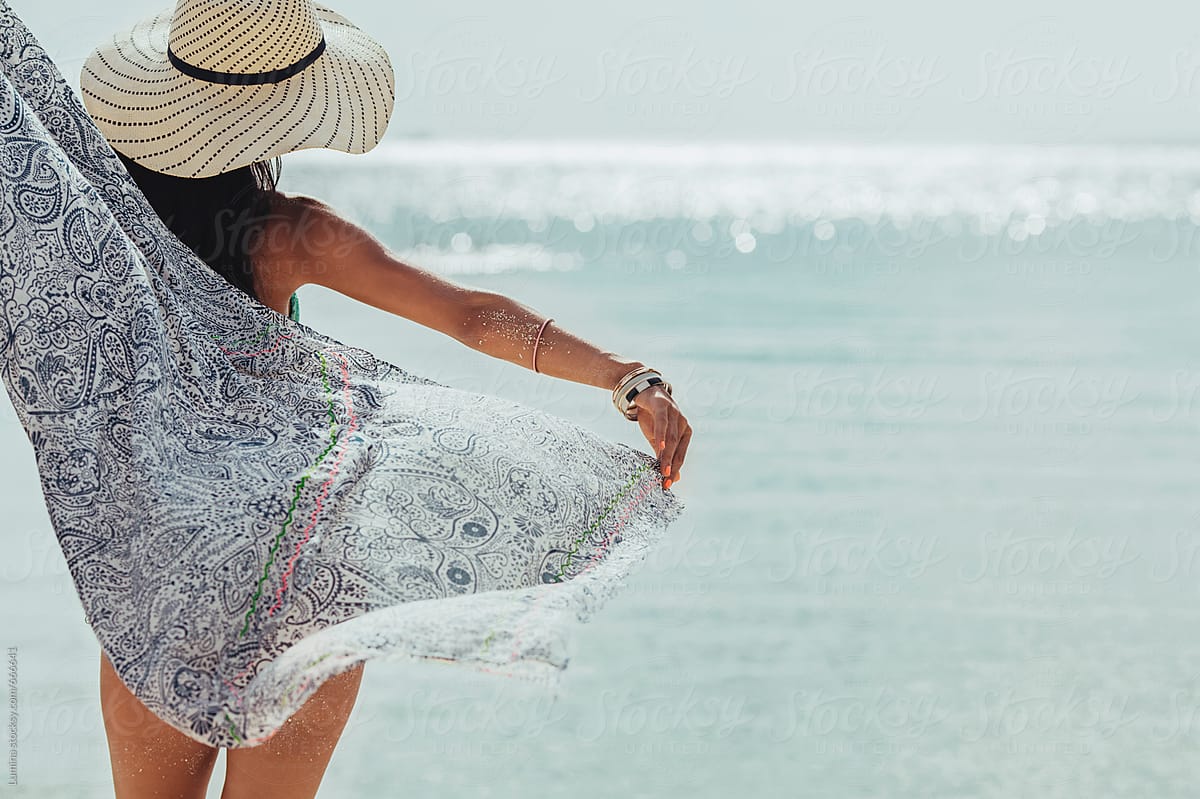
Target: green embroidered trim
x=333 y=438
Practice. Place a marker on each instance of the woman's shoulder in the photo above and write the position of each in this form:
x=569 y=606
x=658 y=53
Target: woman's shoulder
x=286 y=245
x=295 y=208
x=300 y=226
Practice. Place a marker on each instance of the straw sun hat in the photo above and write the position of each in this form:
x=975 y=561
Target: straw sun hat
x=213 y=85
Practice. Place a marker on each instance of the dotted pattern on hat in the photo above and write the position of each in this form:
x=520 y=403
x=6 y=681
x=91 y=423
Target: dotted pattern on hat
x=229 y=36
x=173 y=123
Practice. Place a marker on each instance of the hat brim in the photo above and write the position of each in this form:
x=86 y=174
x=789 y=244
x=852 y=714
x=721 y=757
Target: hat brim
x=179 y=125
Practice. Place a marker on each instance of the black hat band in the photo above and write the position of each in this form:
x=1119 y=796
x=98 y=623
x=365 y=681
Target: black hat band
x=246 y=78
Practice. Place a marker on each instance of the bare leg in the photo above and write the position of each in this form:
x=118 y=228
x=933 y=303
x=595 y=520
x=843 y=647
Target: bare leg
x=292 y=762
x=150 y=758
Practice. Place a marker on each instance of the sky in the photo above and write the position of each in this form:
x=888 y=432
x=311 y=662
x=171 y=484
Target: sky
x=846 y=72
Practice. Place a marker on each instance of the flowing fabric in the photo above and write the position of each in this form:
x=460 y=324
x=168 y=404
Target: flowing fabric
x=247 y=506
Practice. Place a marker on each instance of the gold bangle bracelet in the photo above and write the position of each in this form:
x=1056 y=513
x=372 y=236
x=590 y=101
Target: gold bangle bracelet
x=637 y=377
x=632 y=373
x=631 y=412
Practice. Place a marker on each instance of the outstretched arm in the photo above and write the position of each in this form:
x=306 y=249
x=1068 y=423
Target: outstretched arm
x=323 y=247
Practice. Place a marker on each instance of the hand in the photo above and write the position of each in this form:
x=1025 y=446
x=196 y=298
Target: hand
x=665 y=428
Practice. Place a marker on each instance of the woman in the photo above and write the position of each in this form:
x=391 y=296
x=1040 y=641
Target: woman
x=297 y=240
x=197 y=101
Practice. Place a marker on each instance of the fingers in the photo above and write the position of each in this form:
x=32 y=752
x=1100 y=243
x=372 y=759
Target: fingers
x=667 y=457
x=669 y=433
x=680 y=451
x=660 y=434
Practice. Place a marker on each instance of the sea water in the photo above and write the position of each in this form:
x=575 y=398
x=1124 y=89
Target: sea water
x=942 y=536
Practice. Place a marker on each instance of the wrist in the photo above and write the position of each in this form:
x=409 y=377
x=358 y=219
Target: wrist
x=617 y=369
x=633 y=385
